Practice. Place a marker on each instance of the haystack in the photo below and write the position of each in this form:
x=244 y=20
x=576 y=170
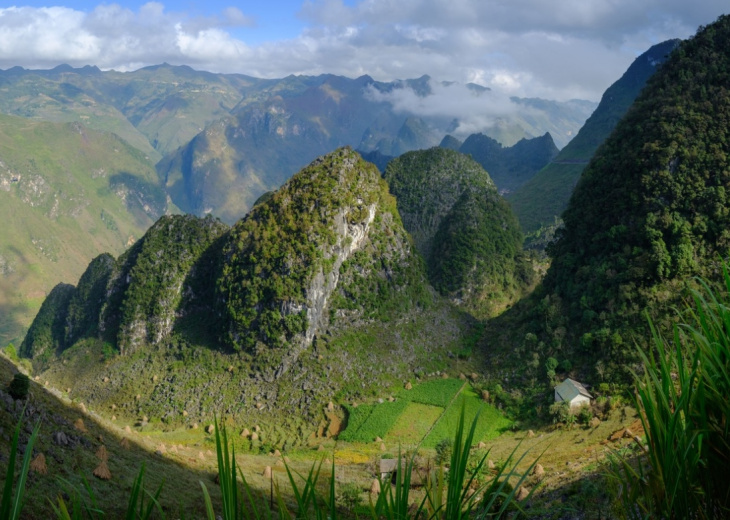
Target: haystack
x=277 y=453
x=245 y=432
x=102 y=471
x=254 y=436
x=375 y=487
x=124 y=443
x=114 y=417
x=102 y=454
x=38 y=464
x=267 y=472
x=127 y=429
x=408 y=386
x=490 y=464
x=444 y=376
x=210 y=429
x=330 y=407
x=538 y=470
x=382 y=446
x=378 y=439
x=522 y=493
x=79 y=425
x=83 y=407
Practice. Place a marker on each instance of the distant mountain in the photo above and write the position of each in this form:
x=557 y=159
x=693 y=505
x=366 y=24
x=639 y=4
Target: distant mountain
x=544 y=197
x=510 y=167
x=463 y=228
x=67 y=193
x=155 y=109
x=228 y=138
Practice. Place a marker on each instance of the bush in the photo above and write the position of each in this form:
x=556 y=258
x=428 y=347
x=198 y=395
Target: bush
x=585 y=415
x=443 y=451
x=18 y=387
x=349 y=496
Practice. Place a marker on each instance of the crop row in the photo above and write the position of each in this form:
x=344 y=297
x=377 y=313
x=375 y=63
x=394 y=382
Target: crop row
x=438 y=392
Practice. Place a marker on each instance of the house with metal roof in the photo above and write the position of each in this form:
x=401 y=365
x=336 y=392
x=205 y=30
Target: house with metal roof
x=572 y=392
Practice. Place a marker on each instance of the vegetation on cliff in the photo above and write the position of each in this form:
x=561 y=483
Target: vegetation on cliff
x=650 y=210
x=333 y=220
x=465 y=231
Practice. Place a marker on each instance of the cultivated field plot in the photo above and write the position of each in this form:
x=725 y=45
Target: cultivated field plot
x=425 y=414
x=491 y=421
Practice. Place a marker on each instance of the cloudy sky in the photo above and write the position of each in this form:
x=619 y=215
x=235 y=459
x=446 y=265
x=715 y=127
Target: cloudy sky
x=558 y=49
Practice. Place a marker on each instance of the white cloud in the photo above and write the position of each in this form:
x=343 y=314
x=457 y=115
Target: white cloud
x=474 y=110
x=559 y=50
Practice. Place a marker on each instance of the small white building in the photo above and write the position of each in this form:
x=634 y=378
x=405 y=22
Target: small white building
x=573 y=393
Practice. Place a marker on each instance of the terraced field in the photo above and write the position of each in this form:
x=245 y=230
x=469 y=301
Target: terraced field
x=423 y=415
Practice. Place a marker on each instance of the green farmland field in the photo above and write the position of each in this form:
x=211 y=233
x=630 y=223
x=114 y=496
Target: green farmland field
x=425 y=414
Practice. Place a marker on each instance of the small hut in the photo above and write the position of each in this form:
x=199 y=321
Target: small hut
x=573 y=393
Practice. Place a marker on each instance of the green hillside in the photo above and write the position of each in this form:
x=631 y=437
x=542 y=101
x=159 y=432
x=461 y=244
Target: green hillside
x=67 y=193
x=463 y=228
x=544 y=197
x=313 y=277
x=649 y=212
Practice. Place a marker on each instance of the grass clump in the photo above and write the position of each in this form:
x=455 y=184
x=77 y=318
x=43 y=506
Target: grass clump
x=681 y=472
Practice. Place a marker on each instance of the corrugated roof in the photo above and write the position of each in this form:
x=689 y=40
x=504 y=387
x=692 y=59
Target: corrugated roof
x=569 y=390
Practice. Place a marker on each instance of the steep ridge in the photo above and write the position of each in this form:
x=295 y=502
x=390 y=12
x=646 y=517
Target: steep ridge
x=313 y=276
x=649 y=212
x=531 y=202
x=510 y=167
x=463 y=228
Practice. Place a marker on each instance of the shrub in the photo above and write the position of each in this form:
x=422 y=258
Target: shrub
x=443 y=451
x=18 y=388
x=349 y=496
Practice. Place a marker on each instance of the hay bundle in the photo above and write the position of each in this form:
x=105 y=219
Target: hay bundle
x=79 y=425
x=320 y=448
x=378 y=439
x=375 y=487
x=330 y=407
x=538 y=470
x=490 y=464
x=124 y=443
x=114 y=417
x=382 y=446
x=530 y=434
x=522 y=493
x=408 y=385
x=277 y=453
x=102 y=454
x=83 y=407
x=210 y=429
x=254 y=436
x=444 y=375
x=245 y=432
x=102 y=471
x=38 y=464
x=127 y=429
x=267 y=472
x=482 y=445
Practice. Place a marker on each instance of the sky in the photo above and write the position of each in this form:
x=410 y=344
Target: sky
x=561 y=49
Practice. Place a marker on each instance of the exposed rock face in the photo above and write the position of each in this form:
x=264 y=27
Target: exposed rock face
x=286 y=262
